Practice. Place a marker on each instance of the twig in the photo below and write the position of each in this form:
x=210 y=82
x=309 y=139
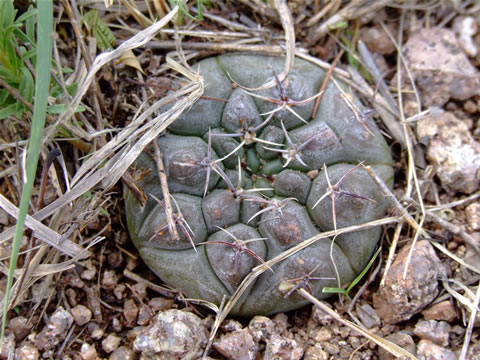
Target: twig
x=172 y=229
x=325 y=82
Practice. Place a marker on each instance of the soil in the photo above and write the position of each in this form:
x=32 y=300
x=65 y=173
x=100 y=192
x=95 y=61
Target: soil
x=109 y=305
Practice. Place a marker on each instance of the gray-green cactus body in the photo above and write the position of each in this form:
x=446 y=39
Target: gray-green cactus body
x=234 y=226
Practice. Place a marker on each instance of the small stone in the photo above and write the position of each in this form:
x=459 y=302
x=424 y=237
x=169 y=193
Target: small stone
x=281 y=348
x=230 y=325
x=119 y=291
x=110 y=343
x=377 y=40
x=368 y=316
x=280 y=321
x=465 y=28
x=144 y=315
x=71 y=296
x=109 y=280
x=402 y=339
x=401 y=298
x=117 y=325
x=141 y=290
x=472 y=214
x=238 y=345
x=96 y=332
x=122 y=353
x=331 y=348
x=444 y=310
x=130 y=311
x=470 y=107
x=261 y=328
x=453 y=151
x=7 y=346
x=173 y=334
x=322 y=334
x=81 y=314
x=20 y=326
x=88 y=274
x=440 y=69
x=158 y=304
x=436 y=331
x=55 y=330
x=428 y=350
x=27 y=352
x=316 y=353
x=321 y=317
x=74 y=280
x=88 y=352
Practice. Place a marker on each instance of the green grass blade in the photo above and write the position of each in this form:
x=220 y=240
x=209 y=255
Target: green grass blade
x=44 y=46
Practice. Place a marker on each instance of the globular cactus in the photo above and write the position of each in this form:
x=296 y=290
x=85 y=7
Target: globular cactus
x=219 y=153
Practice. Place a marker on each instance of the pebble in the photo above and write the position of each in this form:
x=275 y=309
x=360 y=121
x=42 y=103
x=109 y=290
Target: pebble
x=81 y=314
x=55 y=330
x=130 y=311
x=88 y=352
x=444 y=310
x=119 y=291
x=230 y=325
x=280 y=321
x=377 y=40
x=402 y=339
x=96 y=332
x=144 y=315
x=237 y=345
x=439 y=67
x=261 y=328
x=110 y=343
x=122 y=353
x=436 y=331
x=401 y=298
x=470 y=107
x=427 y=350
x=27 y=352
x=173 y=334
x=465 y=28
x=7 y=346
x=453 y=151
x=316 y=353
x=160 y=303
x=20 y=326
x=281 y=348
x=88 y=274
x=472 y=214
x=368 y=316
x=321 y=334
x=321 y=317
x=109 y=280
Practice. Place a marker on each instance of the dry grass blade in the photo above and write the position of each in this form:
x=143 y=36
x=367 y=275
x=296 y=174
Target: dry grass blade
x=471 y=322
x=354 y=10
x=44 y=233
x=387 y=345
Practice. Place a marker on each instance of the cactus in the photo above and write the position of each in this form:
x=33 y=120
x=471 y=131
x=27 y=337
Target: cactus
x=256 y=175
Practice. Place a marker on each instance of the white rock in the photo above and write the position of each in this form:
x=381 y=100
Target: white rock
x=453 y=151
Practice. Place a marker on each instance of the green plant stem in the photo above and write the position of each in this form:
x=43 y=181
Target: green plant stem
x=44 y=46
